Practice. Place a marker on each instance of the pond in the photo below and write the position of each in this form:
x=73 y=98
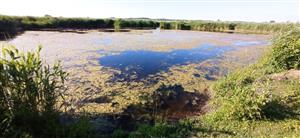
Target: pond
x=123 y=65
x=139 y=53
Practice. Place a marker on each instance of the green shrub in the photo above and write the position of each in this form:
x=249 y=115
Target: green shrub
x=239 y=97
x=159 y=130
x=286 y=51
x=80 y=129
x=119 y=133
x=247 y=104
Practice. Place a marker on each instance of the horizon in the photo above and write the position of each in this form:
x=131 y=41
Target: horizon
x=224 y=10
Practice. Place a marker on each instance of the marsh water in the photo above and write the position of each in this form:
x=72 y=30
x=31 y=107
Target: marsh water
x=145 y=62
x=138 y=52
x=135 y=61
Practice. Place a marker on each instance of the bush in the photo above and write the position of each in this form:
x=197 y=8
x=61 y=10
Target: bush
x=160 y=130
x=240 y=98
x=286 y=51
x=80 y=129
x=29 y=93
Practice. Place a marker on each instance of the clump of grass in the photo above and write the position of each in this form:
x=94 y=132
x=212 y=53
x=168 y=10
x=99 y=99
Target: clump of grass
x=181 y=129
x=118 y=25
x=29 y=94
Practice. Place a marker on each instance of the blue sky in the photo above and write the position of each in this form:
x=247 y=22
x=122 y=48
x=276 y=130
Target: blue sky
x=229 y=10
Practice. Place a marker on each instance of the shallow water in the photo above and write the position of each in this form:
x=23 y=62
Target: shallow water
x=142 y=63
x=138 y=53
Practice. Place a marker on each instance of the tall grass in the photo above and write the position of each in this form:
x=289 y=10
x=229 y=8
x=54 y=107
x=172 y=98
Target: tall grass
x=9 y=26
x=16 y=23
x=31 y=23
x=139 y=24
x=212 y=26
x=263 y=28
x=219 y=26
x=134 y=24
x=28 y=94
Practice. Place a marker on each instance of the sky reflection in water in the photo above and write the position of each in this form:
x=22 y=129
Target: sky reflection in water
x=143 y=63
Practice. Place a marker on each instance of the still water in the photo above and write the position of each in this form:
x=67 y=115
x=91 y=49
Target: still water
x=143 y=63
x=139 y=53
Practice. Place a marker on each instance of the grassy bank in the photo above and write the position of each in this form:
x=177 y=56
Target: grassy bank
x=231 y=27
x=261 y=100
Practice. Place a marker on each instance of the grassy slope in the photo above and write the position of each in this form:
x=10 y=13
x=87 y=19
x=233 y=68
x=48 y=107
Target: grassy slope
x=247 y=114
x=249 y=102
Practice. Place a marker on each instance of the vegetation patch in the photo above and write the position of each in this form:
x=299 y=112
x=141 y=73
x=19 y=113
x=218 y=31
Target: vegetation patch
x=251 y=98
x=230 y=27
x=30 y=98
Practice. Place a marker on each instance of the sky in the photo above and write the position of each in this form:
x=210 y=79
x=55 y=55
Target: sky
x=225 y=10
